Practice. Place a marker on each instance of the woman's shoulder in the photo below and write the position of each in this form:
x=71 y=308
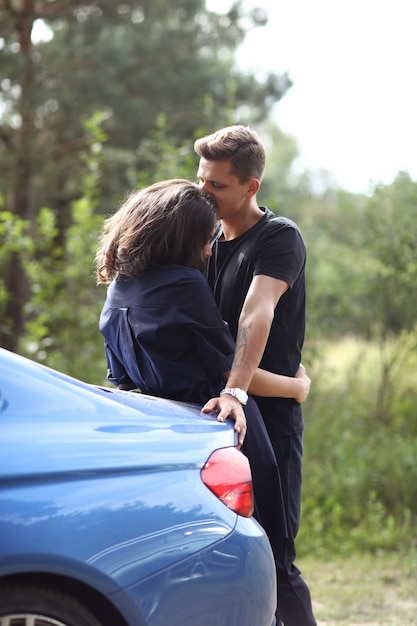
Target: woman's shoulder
x=178 y=279
x=175 y=274
x=171 y=285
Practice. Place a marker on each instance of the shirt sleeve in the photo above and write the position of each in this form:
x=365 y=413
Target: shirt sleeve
x=281 y=252
x=116 y=373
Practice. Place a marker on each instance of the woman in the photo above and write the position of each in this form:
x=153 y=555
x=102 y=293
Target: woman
x=162 y=329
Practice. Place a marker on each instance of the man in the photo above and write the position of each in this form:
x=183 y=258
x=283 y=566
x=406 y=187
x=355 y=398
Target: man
x=256 y=272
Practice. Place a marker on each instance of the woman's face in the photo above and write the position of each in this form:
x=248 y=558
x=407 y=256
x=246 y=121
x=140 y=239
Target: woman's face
x=206 y=251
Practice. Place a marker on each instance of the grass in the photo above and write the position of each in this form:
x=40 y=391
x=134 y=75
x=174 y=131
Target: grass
x=363 y=590
x=350 y=354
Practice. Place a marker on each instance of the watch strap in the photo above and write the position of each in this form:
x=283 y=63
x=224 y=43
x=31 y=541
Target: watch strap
x=237 y=393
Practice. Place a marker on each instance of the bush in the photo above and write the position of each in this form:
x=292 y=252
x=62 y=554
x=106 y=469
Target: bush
x=360 y=470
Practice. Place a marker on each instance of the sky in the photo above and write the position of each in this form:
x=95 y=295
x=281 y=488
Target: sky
x=353 y=105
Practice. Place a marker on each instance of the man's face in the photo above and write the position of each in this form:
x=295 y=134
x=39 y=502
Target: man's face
x=216 y=180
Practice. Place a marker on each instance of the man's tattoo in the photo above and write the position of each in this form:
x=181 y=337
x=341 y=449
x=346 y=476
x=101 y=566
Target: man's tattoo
x=241 y=343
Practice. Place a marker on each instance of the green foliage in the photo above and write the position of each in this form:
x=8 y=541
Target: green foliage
x=362 y=261
x=390 y=237
x=280 y=190
x=132 y=61
x=162 y=159
x=14 y=238
x=360 y=469
x=360 y=440
x=63 y=312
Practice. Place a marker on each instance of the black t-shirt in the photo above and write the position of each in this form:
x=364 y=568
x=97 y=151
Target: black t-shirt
x=164 y=333
x=273 y=247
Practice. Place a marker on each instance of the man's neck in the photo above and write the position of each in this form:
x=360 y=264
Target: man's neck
x=236 y=225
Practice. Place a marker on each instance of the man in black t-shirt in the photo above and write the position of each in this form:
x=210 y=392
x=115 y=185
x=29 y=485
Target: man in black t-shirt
x=256 y=272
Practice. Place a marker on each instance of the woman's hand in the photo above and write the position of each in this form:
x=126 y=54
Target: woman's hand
x=304 y=384
x=228 y=406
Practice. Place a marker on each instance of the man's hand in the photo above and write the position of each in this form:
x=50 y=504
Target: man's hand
x=305 y=383
x=228 y=406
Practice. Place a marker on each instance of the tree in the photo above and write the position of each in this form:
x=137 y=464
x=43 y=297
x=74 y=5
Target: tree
x=362 y=261
x=281 y=190
x=132 y=62
x=391 y=242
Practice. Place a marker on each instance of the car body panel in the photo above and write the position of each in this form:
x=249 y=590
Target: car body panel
x=103 y=487
x=95 y=417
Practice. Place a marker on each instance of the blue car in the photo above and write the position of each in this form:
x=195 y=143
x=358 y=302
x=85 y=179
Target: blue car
x=121 y=509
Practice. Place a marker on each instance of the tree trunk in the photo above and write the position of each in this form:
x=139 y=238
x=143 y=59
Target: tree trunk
x=21 y=203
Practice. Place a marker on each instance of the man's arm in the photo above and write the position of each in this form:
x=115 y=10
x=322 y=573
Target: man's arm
x=254 y=327
x=253 y=332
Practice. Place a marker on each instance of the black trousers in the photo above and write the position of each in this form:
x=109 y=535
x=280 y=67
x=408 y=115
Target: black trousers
x=294 y=600
x=269 y=500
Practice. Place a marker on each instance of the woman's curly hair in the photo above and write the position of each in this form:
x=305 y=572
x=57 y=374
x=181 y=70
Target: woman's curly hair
x=167 y=223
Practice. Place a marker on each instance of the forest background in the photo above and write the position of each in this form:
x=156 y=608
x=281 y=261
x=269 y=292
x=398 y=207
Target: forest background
x=111 y=99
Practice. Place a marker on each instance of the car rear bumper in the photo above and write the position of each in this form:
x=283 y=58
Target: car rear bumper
x=244 y=593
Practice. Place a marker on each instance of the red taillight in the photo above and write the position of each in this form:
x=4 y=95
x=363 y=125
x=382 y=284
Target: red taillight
x=227 y=474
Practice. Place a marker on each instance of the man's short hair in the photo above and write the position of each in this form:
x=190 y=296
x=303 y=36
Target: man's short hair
x=238 y=144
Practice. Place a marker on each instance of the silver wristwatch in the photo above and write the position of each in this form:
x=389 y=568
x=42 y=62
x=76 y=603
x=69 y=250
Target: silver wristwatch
x=237 y=393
